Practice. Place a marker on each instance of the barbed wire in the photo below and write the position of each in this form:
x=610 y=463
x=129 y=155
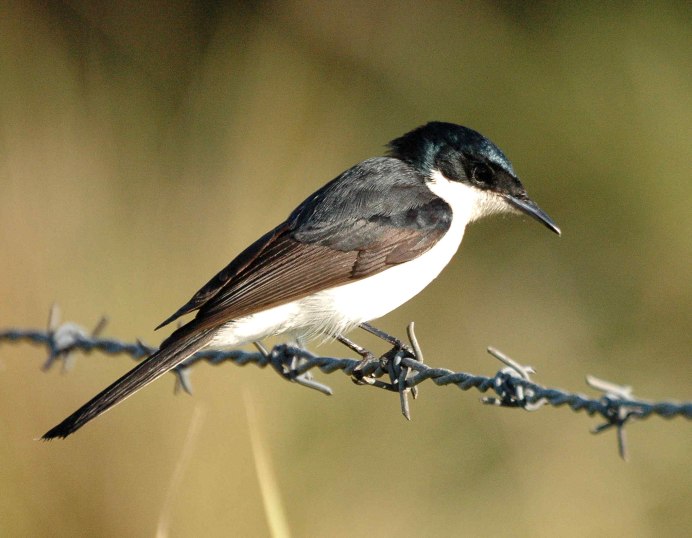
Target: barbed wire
x=403 y=366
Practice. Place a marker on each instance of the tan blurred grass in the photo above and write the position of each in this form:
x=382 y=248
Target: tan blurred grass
x=142 y=147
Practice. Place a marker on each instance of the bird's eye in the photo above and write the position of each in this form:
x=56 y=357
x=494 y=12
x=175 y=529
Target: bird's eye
x=482 y=173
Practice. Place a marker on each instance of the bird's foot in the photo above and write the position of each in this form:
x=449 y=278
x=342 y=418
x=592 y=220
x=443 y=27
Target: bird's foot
x=394 y=364
x=371 y=368
x=367 y=358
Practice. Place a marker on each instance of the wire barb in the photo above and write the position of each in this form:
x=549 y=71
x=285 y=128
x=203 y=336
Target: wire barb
x=402 y=365
x=66 y=337
x=618 y=412
x=513 y=394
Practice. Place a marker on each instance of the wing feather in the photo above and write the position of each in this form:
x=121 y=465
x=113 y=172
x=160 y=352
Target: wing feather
x=322 y=244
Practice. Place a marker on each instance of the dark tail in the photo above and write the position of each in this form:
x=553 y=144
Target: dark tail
x=173 y=351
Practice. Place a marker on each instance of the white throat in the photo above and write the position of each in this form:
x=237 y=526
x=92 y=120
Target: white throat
x=468 y=203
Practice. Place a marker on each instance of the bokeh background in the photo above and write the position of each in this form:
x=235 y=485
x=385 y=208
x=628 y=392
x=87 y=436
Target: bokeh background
x=144 y=144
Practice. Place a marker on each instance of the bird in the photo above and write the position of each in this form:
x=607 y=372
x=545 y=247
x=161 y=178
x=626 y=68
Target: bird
x=354 y=250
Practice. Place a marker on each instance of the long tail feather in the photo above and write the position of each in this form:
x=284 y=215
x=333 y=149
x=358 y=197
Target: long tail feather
x=173 y=352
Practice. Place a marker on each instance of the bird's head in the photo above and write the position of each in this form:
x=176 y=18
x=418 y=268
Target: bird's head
x=449 y=153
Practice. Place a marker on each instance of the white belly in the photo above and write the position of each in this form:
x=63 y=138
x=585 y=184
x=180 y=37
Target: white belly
x=337 y=310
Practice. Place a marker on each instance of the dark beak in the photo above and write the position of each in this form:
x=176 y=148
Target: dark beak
x=528 y=206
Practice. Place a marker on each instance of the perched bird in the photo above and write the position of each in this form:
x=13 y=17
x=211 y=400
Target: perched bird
x=360 y=246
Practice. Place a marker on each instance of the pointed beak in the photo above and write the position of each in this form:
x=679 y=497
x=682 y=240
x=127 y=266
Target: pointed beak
x=528 y=206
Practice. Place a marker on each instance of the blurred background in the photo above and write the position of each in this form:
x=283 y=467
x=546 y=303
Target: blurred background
x=144 y=144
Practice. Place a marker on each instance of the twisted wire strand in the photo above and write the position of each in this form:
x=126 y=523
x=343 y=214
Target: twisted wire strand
x=403 y=366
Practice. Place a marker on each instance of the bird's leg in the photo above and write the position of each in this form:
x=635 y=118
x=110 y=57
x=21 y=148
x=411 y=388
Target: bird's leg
x=366 y=356
x=386 y=337
x=364 y=353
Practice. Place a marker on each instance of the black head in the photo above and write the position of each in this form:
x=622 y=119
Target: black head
x=464 y=155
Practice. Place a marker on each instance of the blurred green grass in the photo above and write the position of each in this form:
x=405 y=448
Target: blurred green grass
x=142 y=146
